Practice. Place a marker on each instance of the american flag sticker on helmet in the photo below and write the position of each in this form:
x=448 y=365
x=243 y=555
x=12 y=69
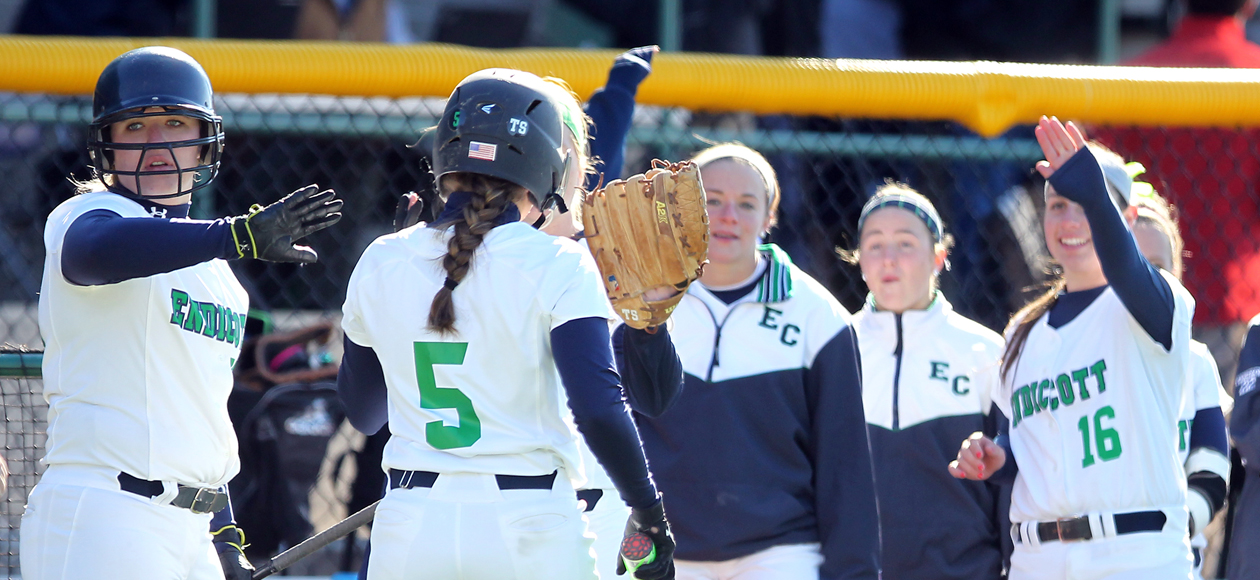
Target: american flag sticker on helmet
x=479 y=150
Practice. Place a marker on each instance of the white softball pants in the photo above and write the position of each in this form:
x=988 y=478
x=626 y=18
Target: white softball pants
x=787 y=562
x=465 y=528
x=78 y=524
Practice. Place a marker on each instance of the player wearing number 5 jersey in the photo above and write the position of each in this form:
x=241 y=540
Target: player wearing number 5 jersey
x=1093 y=380
x=451 y=330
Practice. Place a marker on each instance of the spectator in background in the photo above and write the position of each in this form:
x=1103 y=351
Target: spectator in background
x=1212 y=175
x=861 y=29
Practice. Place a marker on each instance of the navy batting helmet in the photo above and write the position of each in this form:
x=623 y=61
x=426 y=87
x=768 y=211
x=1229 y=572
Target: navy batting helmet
x=162 y=77
x=500 y=122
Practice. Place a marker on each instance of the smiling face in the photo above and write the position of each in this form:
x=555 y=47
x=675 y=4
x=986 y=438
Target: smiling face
x=899 y=259
x=157 y=129
x=737 y=202
x=1070 y=242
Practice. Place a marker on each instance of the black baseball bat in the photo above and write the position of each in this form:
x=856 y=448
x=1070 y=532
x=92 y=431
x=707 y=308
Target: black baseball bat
x=314 y=543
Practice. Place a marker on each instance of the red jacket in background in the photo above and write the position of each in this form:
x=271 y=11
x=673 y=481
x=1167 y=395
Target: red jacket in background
x=1210 y=174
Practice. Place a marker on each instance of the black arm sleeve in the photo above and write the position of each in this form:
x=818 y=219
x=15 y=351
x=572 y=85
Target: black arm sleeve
x=844 y=480
x=361 y=388
x=584 y=358
x=102 y=247
x=1246 y=414
x=651 y=371
x=1141 y=288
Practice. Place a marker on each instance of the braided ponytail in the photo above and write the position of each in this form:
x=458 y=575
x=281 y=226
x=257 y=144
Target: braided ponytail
x=490 y=197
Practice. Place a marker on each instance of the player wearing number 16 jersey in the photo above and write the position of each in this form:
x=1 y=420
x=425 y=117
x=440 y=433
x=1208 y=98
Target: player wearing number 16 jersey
x=451 y=330
x=1093 y=382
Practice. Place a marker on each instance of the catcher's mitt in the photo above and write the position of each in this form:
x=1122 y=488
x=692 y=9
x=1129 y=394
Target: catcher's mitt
x=649 y=231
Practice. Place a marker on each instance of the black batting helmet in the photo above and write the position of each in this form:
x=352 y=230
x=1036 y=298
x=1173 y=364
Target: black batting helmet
x=155 y=76
x=500 y=122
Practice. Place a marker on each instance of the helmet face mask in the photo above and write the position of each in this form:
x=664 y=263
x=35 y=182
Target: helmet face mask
x=151 y=82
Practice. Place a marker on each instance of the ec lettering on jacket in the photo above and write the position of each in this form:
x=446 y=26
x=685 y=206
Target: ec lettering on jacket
x=959 y=383
x=788 y=333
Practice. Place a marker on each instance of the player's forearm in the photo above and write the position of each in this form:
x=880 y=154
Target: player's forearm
x=1136 y=282
x=102 y=247
x=611 y=110
x=651 y=371
x=848 y=523
x=585 y=362
x=361 y=388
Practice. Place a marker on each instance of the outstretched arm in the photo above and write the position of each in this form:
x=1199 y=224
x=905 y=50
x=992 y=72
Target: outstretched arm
x=611 y=109
x=1075 y=174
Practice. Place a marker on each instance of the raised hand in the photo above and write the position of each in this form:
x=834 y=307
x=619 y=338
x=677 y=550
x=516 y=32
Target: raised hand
x=1058 y=142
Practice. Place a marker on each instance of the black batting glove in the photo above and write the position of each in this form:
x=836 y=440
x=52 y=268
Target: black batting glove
x=407 y=213
x=268 y=233
x=652 y=523
x=229 y=542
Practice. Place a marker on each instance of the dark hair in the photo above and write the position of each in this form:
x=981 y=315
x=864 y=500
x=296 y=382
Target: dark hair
x=1024 y=321
x=1214 y=7
x=490 y=197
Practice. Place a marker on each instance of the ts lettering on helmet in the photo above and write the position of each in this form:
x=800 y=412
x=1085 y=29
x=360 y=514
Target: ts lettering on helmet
x=455 y=120
x=518 y=126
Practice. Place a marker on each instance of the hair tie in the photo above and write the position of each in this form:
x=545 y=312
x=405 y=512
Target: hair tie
x=450 y=284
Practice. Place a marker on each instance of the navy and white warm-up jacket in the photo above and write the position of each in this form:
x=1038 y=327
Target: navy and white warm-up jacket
x=767 y=445
x=927 y=382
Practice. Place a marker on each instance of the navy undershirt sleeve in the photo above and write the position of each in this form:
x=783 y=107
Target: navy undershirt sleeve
x=844 y=485
x=1006 y=474
x=1245 y=418
x=1208 y=430
x=583 y=355
x=611 y=109
x=650 y=369
x=1137 y=283
x=102 y=247
x=361 y=388
x=225 y=516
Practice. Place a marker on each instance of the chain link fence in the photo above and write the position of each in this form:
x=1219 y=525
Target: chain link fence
x=985 y=189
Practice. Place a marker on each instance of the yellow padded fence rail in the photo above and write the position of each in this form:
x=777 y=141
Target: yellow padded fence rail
x=988 y=97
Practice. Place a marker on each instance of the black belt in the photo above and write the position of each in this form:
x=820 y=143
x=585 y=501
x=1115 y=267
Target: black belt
x=1077 y=529
x=591 y=496
x=410 y=479
x=198 y=500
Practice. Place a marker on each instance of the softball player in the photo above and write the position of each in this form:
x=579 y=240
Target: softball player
x=764 y=454
x=1243 y=560
x=1202 y=440
x=481 y=458
x=647 y=362
x=927 y=377
x=1093 y=383
x=142 y=321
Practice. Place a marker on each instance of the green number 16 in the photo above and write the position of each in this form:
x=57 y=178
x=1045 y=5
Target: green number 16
x=435 y=397
x=1106 y=440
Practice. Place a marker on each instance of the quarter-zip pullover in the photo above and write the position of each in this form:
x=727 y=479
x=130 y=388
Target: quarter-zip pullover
x=927 y=381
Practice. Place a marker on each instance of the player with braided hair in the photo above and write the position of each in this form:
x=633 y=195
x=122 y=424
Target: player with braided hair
x=143 y=320
x=1202 y=438
x=480 y=459
x=1092 y=381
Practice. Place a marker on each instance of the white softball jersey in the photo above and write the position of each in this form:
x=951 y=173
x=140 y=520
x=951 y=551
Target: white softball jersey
x=1203 y=383
x=1094 y=407
x=137 y=374
x=488 y=399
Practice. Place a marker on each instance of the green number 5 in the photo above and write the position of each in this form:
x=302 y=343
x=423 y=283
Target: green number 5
x=434 y=397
